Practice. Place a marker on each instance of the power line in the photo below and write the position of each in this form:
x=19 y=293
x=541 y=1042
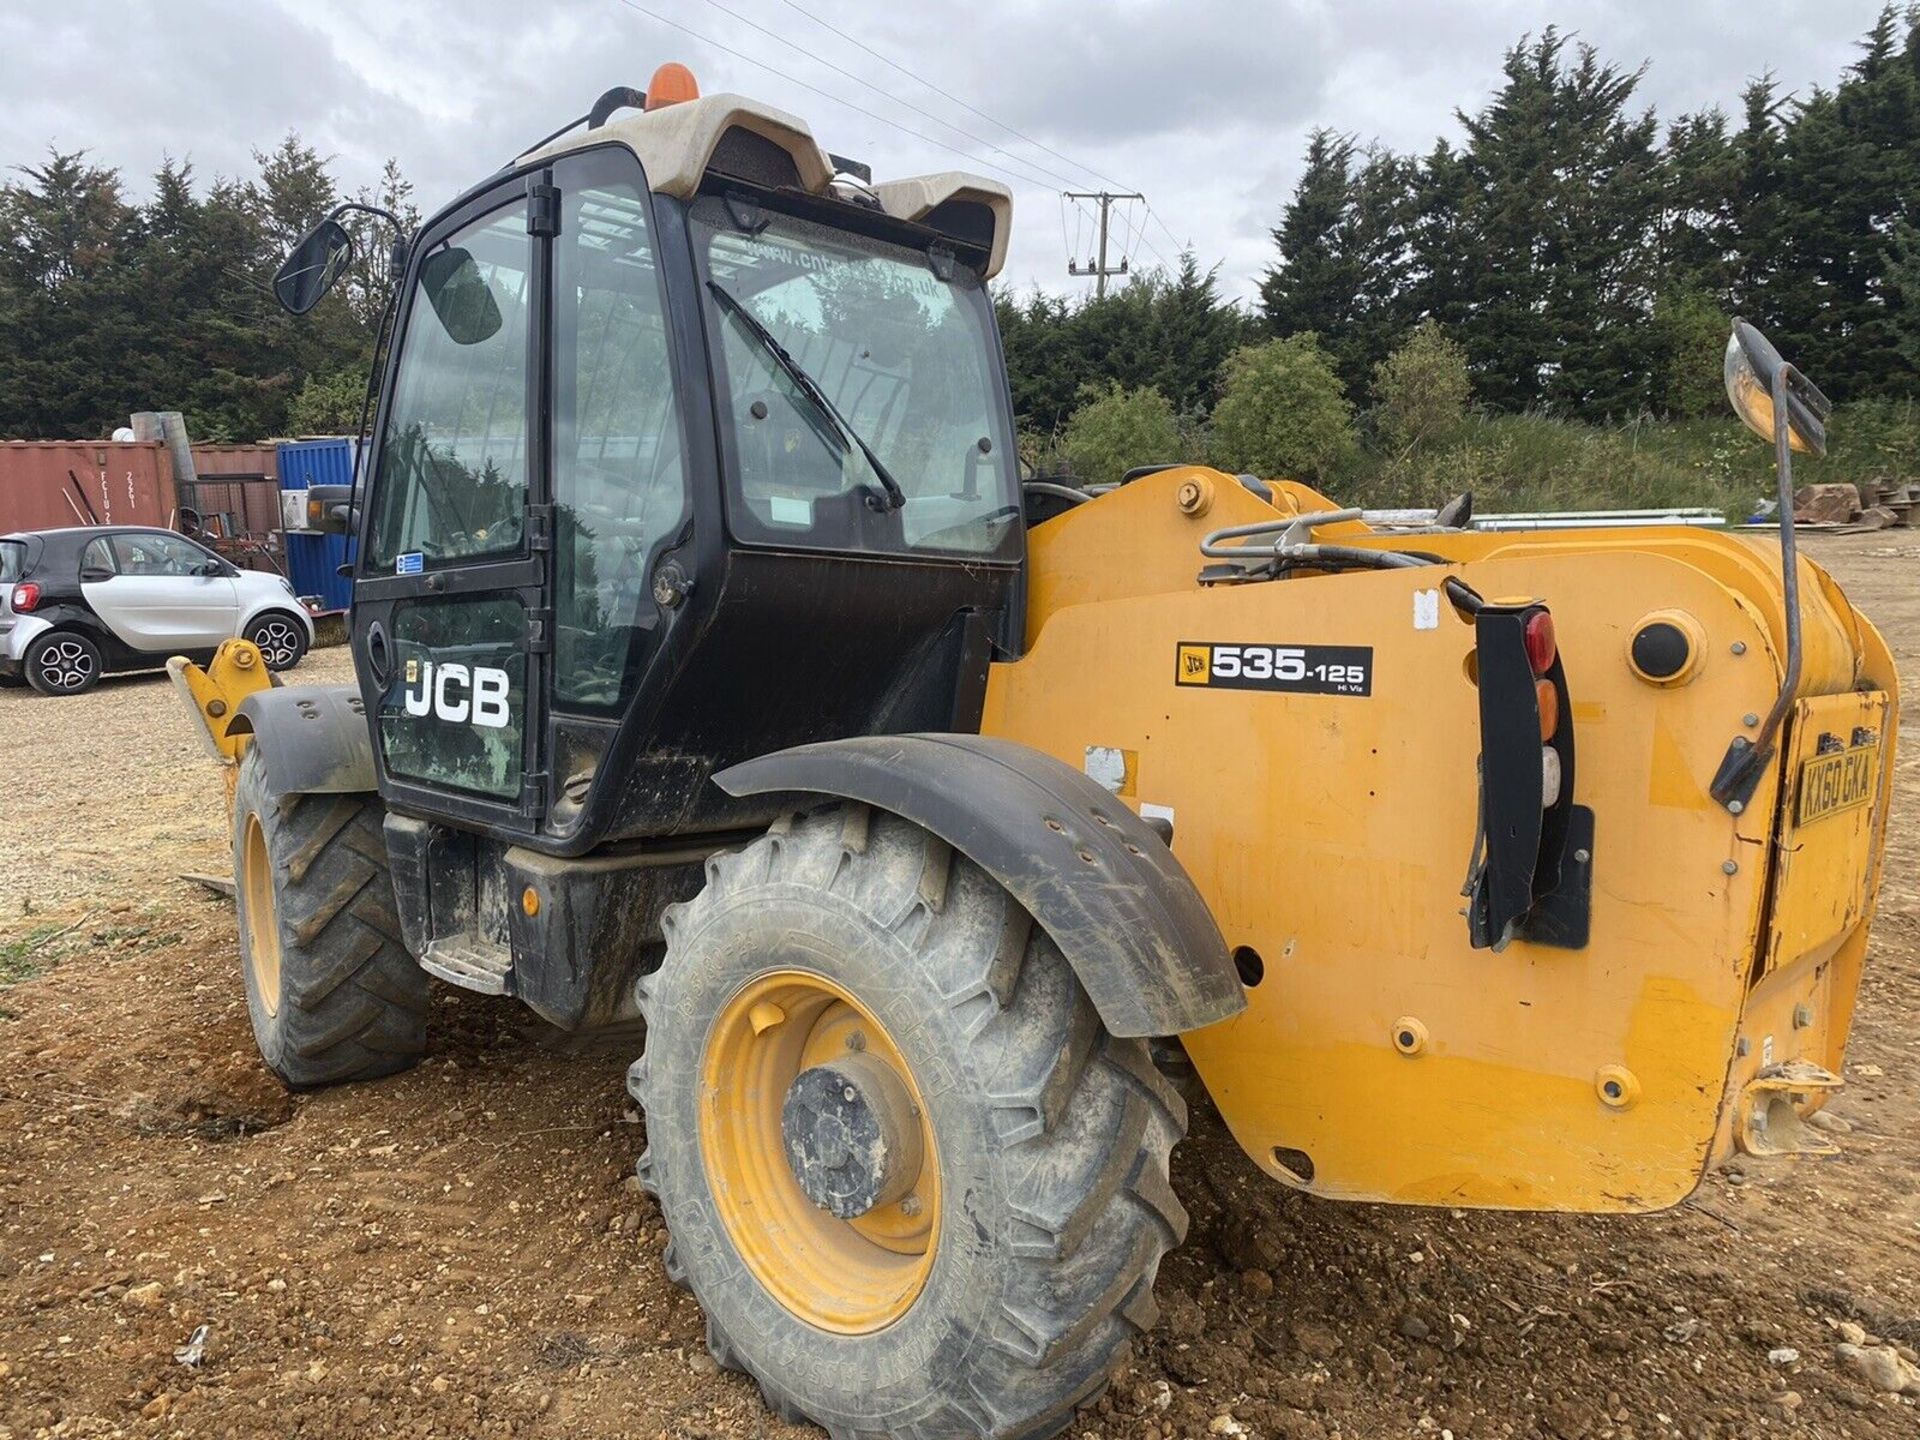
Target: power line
x=949 y=95
x=824 y=94
x=861 y=81
x=1177 y=243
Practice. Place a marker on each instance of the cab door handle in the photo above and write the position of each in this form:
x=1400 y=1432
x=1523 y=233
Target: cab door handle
x=379 y=655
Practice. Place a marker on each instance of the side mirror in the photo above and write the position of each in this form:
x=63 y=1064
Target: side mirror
x=313 y=266
x=330 y=509
x=460 y=296
x=1752 y=369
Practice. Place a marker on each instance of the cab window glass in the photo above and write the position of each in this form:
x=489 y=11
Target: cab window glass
x=619 y=462
x=452 y=481
x=156 y=555
x=97 y=556
x=455 y=714
x=906 y=354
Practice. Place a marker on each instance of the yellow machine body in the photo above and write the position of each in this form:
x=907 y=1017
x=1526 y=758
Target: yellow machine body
x=1381 y=1056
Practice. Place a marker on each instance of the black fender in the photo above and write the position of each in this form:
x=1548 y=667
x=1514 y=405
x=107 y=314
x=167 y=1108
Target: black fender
x=313 y=739
x=1093 y=875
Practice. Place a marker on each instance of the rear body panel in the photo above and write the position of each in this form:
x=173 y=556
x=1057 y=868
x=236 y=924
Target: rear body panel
x=1330 y=832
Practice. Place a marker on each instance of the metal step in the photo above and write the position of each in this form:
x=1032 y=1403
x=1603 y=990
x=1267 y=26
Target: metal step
x=469 y=963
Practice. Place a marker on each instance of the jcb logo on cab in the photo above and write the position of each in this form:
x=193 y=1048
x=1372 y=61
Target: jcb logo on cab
x=458 y=693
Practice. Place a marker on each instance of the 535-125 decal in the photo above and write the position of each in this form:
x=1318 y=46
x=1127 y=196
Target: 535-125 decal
x=1291 y=669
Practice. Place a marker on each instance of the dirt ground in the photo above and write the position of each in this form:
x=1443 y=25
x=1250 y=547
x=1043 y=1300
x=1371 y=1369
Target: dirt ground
x=460 y=1252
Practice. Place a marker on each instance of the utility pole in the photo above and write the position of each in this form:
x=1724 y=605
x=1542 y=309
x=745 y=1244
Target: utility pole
x=1098 y=268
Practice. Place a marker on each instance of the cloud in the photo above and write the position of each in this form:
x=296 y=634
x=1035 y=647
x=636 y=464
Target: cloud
x=1204 y=105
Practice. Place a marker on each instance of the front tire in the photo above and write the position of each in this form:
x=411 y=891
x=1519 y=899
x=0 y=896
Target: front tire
x=993 y=1290
x=282 y=639
x=63 y=662
x=331 y=990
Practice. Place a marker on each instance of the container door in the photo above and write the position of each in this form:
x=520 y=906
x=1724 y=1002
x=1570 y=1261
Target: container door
x=450 y=622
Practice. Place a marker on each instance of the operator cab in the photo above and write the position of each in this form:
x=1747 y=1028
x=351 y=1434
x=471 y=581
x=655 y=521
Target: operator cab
x=692 y=445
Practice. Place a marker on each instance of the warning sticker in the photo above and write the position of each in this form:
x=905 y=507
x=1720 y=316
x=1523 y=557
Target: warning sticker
x=1290 y=669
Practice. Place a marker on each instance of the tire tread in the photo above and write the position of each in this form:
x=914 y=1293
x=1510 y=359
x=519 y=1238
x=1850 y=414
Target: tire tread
x=1083 y=1122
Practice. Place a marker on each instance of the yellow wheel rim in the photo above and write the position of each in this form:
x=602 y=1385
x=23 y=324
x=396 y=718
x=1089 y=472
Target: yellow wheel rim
x=263 y=924
x=849 y=1277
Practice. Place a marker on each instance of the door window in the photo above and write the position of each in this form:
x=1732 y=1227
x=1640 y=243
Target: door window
x=619 y=466
x=97 y=557
x=453 y=456
x=155 y=555
x=456 y=712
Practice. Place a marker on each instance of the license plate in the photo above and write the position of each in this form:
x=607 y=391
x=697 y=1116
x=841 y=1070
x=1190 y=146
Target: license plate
x=1839 y=780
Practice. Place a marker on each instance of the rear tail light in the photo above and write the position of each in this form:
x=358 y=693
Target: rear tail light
x=26 y=597
x=1549 y=777
x=1541 y=645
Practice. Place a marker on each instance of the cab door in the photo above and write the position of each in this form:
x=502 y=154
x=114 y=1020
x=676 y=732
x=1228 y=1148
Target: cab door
x=530 y=475
x=451 y=625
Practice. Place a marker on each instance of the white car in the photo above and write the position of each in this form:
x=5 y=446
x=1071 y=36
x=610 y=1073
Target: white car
x=78 y=603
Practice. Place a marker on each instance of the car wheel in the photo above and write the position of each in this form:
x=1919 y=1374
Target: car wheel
x=63 y=663
x=281 y=638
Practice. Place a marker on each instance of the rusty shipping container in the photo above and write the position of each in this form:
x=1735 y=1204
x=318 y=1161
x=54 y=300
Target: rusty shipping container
x=45 y=483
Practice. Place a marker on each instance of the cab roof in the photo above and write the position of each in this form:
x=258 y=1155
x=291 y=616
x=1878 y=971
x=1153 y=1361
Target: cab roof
x=677 y=145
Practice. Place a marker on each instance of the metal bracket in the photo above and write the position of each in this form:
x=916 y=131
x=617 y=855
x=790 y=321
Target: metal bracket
x=540 y=528
x=539 y=631
x=543 y=209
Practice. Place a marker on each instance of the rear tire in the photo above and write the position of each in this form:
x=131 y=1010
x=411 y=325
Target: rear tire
x=63 y=662
x=281 y=637
x=1049 y=1139
x=331 y=990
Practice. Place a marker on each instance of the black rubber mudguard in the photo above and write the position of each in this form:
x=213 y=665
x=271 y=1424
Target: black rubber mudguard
x=1093 y=875
x=313 y=739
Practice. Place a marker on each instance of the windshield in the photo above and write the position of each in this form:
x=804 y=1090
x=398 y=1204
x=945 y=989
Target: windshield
x=904 y=356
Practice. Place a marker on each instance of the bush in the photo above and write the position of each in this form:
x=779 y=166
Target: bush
x=1690 y=330
x=1282 y=413
x=1422 y=389
x=1115 y=429
x=328 y=404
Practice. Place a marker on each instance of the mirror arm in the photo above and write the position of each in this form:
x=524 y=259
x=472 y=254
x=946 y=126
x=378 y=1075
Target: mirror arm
x=365 y=209
x=1739 y=772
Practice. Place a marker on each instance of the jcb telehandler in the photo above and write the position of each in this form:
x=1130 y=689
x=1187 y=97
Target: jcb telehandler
x=714 y=663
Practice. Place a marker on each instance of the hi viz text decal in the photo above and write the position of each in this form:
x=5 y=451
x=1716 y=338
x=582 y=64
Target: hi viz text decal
x=458 y=693
x=1291 y=669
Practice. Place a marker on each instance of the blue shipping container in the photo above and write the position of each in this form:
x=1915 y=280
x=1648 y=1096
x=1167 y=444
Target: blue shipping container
x=314 y=561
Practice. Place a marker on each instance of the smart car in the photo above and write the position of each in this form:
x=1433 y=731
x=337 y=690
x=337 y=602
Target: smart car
x=82 y=602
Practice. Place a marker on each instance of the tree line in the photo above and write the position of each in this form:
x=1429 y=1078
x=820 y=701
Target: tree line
x=109 y=306
x=1585 y=259
x=1579 y=258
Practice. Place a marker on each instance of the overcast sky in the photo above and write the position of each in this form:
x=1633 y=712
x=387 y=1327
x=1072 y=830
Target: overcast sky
x=1203 y=105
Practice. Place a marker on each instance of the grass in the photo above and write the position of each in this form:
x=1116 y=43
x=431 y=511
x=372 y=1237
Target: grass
x=1539 y=462
x=1536 y=462
x=25 y=956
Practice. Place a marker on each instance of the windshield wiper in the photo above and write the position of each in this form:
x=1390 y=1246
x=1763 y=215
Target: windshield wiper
x=894 y=497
